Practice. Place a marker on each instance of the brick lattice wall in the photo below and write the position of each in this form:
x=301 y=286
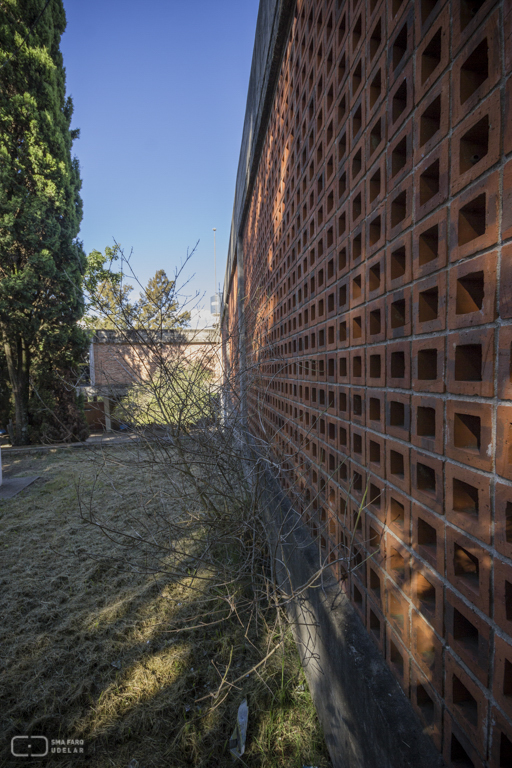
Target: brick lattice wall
x=377 y=254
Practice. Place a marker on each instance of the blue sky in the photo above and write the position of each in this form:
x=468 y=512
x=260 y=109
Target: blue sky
x=159 y=90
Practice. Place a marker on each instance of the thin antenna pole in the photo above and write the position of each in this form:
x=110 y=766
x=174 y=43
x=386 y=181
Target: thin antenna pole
x=214 y=261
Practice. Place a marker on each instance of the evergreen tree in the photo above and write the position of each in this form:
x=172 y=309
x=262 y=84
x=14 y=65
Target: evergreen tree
x=158 y=307
x=41 y=261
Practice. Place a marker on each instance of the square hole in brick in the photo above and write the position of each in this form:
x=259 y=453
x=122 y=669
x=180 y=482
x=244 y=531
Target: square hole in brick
x=357 y=481
x=375 y=230
x=400 y=46
x=474 y=71
x=374 y=623
x=474 y=145
x=330 y=337
x=425 y=703
x=343 y=332
x=375 y=364
x=398 y=365
x=375 y=584
x=428 y=304
x=397 y=564
x=398 y=313
x=357 y=247
x=468 y=11
x=342 y=184
x=426 y=421
x=396 y=414
x=427 y=6
x=357 y=163
x=374 y=409
x=375 y=322
x=397 y=512
x=374 y=538
x=505 y=751
x=357 y=206
x=472 y=220
x=430 y=121
x=396 y=611
x=427 y=537
x=398 y=209
x=399 y=101
x=357 y=443
x=342 y=295
x=431 y=57
x=396 y=464
x=357 y=405
x=470 y=293
x=375 y=39
x=374 y=277
x=374 y=452
x=468 y=362
x=426 y=593
x=357 y=327
x=458 y=755
x=466 y=431
x=427 y=364
x=508 y=522
x=343 y=436
x=342 y=258
x=398 y=263
x=375 y=185
x=343 y=366
x=357 y=120
x=465 y=498
x=356 y=32
x=399 y=157
x=507 y=678
x=425 y=478
x=429 y=183
x=357 y=366
x=396 y=658
x=466 y=566
x=464 y=701
x=342 y=401
x=356 y=287
x=465 y=632
x=428 y=245
x=375 y=89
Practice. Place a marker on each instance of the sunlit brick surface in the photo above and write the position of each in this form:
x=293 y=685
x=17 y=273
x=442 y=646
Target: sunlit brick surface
x=378 y=305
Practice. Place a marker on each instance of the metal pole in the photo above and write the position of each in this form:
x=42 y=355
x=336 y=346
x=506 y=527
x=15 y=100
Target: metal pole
x=214 y=261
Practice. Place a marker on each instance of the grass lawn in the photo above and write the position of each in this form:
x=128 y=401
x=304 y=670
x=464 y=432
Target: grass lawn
x=90 y=652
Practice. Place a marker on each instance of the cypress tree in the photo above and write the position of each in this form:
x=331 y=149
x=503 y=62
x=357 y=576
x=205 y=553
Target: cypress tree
x=41 y=261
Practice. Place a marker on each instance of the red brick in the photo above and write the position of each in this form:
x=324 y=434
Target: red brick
x=430 y=244
x=505 y=301
x=457 y=747
x=427 y=705
x=428 y=362
x=474 y=218
x=504 y=441
x=506 y=223
x=472 y=297
x=468 y=90
x=427 y=649
x=428 y=535
x=375 y=539
x=398 y=415
x=501 y=743
x=397 y=563
x=398 y=364
x=474 y=153
x=400 y=98
x=398 y=320
x=468 y=502
x=469 y=433
x=429 y=301
x=468 y=568
x=427 y=480
x=376 y=497
x=358 y=245
x=397 y=656
x=376 y=625
x=399 y=208
x=399 y=155
x=358 y=406
x=468 y=635
x=376 y=366
x=502 y=681
x=376 y=40
x=358 y=598
x=427 y=430
x=466 y=20
x=398 y=508
x=376 y=135
x=376 y=454
x=503 y=595
x=470 y=366
x=376 y=320
x=503 y=519
x=397 y=465
x=400 y=43
x=397 y=612
x=431 y=119
x=376 y=185
x=358 y=445
x=399 y=263
x=507 y=131
x=467 y=702
x=376 y=230
x=375 y=410
x=428 y=69
x=427 y=594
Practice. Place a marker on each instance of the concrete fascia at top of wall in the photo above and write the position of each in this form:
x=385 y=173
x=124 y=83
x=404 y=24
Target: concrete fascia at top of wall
x=272 y=30
x=184 y=336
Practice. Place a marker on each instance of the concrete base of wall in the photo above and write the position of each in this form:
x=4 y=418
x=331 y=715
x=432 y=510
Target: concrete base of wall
x=368 y=722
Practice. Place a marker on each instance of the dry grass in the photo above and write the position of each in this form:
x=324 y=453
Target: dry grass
x=88 y=653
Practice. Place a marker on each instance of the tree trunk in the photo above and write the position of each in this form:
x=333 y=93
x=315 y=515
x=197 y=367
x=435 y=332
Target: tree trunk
x=18 y=364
